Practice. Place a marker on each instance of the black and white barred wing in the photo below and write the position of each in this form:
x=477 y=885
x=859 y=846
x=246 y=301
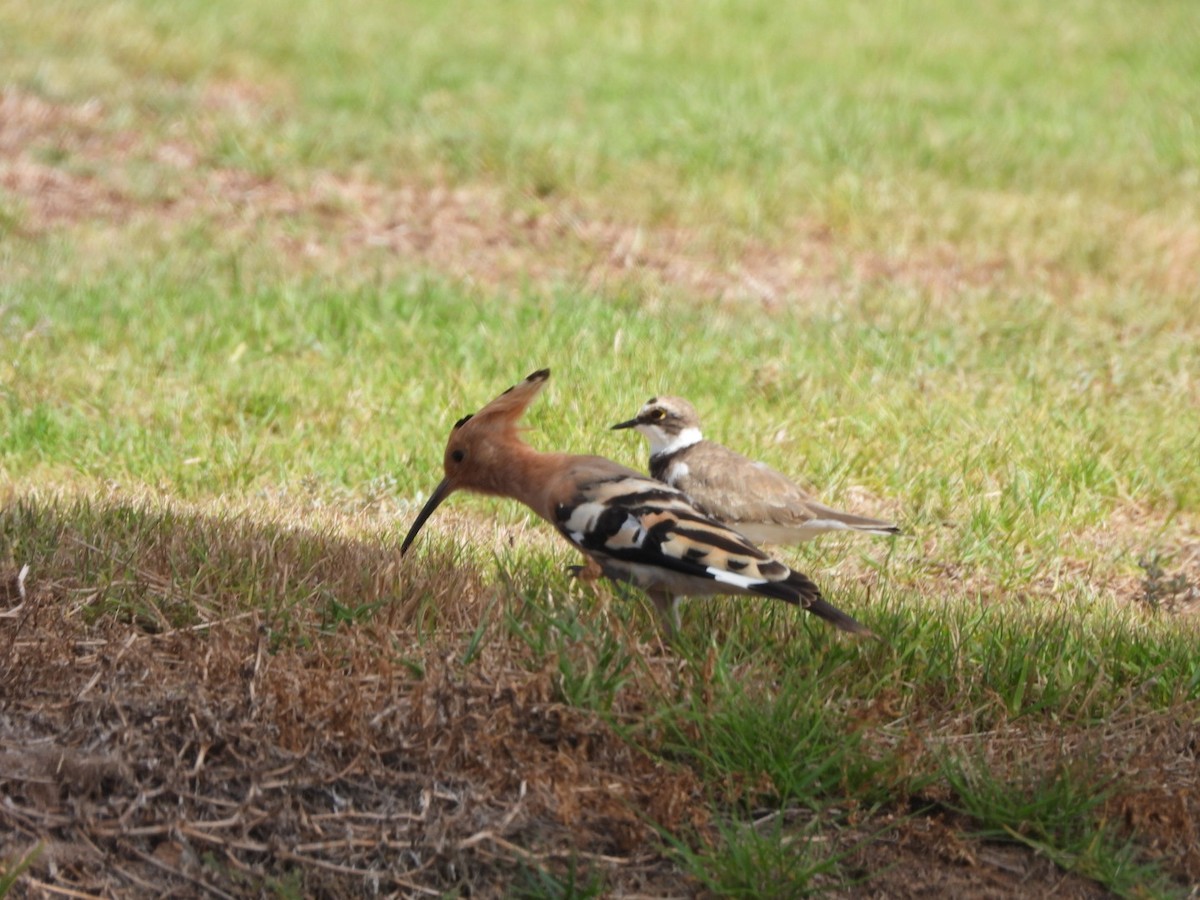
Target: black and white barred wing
x=655 y=536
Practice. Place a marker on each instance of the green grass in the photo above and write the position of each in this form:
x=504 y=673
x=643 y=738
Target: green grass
x=767 y=860
x=576 y=883
x=1007 y=448
x=198 y=421
x=12 y=869
x=1057 y=813
x=1061 y=134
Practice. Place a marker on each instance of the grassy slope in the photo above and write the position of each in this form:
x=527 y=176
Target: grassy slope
x=1035 y=431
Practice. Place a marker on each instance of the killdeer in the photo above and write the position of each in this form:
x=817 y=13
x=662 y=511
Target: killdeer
x=761 y=503
x=634 y=528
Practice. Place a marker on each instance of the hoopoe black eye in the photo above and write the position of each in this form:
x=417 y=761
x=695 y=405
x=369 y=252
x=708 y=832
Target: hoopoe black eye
x=458 y=455
x=658 y=415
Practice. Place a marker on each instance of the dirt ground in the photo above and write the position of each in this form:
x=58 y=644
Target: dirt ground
x=277 y=751
x=199 y=761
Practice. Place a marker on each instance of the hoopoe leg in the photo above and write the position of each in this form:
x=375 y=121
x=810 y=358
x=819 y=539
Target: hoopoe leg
x=667 y=607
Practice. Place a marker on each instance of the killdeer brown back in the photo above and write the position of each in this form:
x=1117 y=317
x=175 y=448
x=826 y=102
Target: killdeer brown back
x=764 y=505
x=634 y=528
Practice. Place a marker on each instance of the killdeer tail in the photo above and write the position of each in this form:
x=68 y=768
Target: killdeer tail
x=826 y=518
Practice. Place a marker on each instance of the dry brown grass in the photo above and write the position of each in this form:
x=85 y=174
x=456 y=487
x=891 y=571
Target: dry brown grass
x=270 y=745
x=256 y=745
x=323 y=221
x=208 y=760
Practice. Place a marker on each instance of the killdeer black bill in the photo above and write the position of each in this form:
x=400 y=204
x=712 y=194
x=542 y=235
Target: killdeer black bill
x=764 y=505
x=634 y=528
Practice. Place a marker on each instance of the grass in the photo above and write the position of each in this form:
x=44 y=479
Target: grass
x=937 y=260
x=1059 y=814
x=15 y=868
x=862 y=123
x=767 y=859
x=575 y=884
x=1055 y=141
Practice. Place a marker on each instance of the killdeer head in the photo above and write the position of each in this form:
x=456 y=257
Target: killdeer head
x=669 y=424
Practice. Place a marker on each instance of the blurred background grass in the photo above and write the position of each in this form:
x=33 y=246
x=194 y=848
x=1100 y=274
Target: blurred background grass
x=989 y=127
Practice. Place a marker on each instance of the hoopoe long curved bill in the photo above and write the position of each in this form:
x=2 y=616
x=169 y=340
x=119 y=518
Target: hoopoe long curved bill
x=636 y=529
x=761 y=503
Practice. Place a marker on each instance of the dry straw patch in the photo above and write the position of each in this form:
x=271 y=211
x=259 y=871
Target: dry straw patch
x=1141 y=557
x=271 y=745
x=49 y=195
x=329 y=222
x=183 y=711
x=64 y=166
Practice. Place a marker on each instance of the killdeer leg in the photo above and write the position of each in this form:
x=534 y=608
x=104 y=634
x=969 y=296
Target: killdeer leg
x=667 y=607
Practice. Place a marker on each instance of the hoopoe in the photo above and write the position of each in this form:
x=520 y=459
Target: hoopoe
x=764 y=505
x=634 y=528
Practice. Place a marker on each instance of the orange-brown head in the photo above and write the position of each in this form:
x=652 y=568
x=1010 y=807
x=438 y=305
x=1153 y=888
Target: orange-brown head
x=479 y=446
